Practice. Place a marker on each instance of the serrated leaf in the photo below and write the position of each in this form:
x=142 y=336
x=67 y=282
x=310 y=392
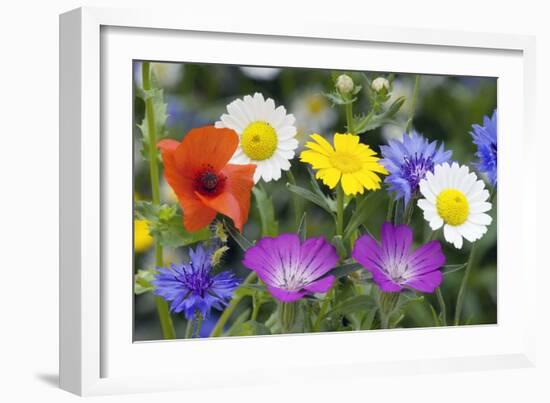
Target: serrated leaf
x=338 y=99
x=166 y=225
x=371 y=122
x=142 y=281
x=264 y=203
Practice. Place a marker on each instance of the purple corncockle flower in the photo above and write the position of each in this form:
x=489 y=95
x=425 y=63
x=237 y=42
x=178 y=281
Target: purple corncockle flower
x=394 y=265
x=408 y=161
x=290 y=269
x=191 y=287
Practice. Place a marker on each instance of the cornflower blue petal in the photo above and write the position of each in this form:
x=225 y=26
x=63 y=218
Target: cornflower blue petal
x=191 y=287
x=408 y=161
x=485 y=138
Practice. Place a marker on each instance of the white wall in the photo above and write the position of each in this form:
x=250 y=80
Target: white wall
x=29 y=201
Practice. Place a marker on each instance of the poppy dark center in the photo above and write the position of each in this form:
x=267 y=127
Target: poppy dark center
x=208 y=182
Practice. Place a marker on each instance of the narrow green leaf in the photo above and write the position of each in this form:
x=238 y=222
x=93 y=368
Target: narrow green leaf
x=264 y=203
x=310 y=196
x=243 y=243
x=451 y=268
x=359 y=303
x=302 y=227
x=142 y=281
x=368 y=205
x=238 y=322
x=435 y=316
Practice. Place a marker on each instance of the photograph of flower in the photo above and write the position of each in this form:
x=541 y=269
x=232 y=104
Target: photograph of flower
x=271 y=200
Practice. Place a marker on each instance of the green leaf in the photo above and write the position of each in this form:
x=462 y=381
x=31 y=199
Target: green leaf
x=166 y=225
x=239 y=239
x=338 y=99
x=264 y=203
x=340 y=247
x=359 y=303
x=238 y=322
x=250 y=328
x=310 y=196
x=142 y=281
x=366 y=206
x=344 y=270
x=302 y=227
x=371 y=122
x=451 y=268
x=435 y=316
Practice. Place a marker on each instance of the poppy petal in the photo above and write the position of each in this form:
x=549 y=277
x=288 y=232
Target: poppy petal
x=196 y=215
x=206 y=146
x=234 y=201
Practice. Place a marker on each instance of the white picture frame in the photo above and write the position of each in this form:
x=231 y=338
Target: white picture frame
x=97 y=354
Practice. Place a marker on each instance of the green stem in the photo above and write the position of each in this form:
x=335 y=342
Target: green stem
x=167 y=326
x=388 y=302
x=389 y=214
x=349 y=118
x=462 y=290
x=442 y=308
x=255 y=307
x=287 y=315
x=413 y=103
x=198 y=319
x=218 y=329
x=339 y=210
x=323 y=310
x=189 y=328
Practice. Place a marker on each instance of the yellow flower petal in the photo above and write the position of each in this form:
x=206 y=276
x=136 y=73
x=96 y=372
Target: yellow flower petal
x=351 y=185
x=323 y=143
x=344 y=142
x=142 y=239
x=329 y=176
x=317 y=160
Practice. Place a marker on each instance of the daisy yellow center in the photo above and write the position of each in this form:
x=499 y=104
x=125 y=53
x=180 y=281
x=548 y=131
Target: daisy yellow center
x=452 y=206
x=346 y=162
x=315 y=104
x=259 y=141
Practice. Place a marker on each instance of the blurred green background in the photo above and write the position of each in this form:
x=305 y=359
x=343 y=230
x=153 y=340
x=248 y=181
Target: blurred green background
x=447 y=106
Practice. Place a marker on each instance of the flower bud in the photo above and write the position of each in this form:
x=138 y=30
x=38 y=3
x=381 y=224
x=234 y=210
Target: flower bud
x=344 y=84
x=380 y=84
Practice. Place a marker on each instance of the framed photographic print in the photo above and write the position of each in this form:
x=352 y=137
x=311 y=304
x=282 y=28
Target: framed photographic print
x=238 y=197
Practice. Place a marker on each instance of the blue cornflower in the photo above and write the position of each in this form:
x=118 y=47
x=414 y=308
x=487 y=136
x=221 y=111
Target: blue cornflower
x=408 y=161
x=485 y=138
x=191 y=287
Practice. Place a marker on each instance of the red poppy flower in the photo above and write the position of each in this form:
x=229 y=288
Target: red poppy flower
x=203 y=181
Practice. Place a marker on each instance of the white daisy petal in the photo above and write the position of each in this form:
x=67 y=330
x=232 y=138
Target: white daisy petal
x=479 y=207
x=436 y=223
x=452 y=236
x=480 y=219
x=272 y=125
x=426 y=191
x=290 y=144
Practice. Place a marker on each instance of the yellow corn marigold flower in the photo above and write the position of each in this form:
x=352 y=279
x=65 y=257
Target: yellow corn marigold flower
x=142 y=239
x=350 y=162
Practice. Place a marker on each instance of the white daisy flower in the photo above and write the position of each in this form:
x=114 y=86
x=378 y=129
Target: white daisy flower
x=313 y=112
x=266 y=135
x=456 y=200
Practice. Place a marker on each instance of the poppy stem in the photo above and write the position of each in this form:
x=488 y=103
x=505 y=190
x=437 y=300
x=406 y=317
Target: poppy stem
x=166 y=324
